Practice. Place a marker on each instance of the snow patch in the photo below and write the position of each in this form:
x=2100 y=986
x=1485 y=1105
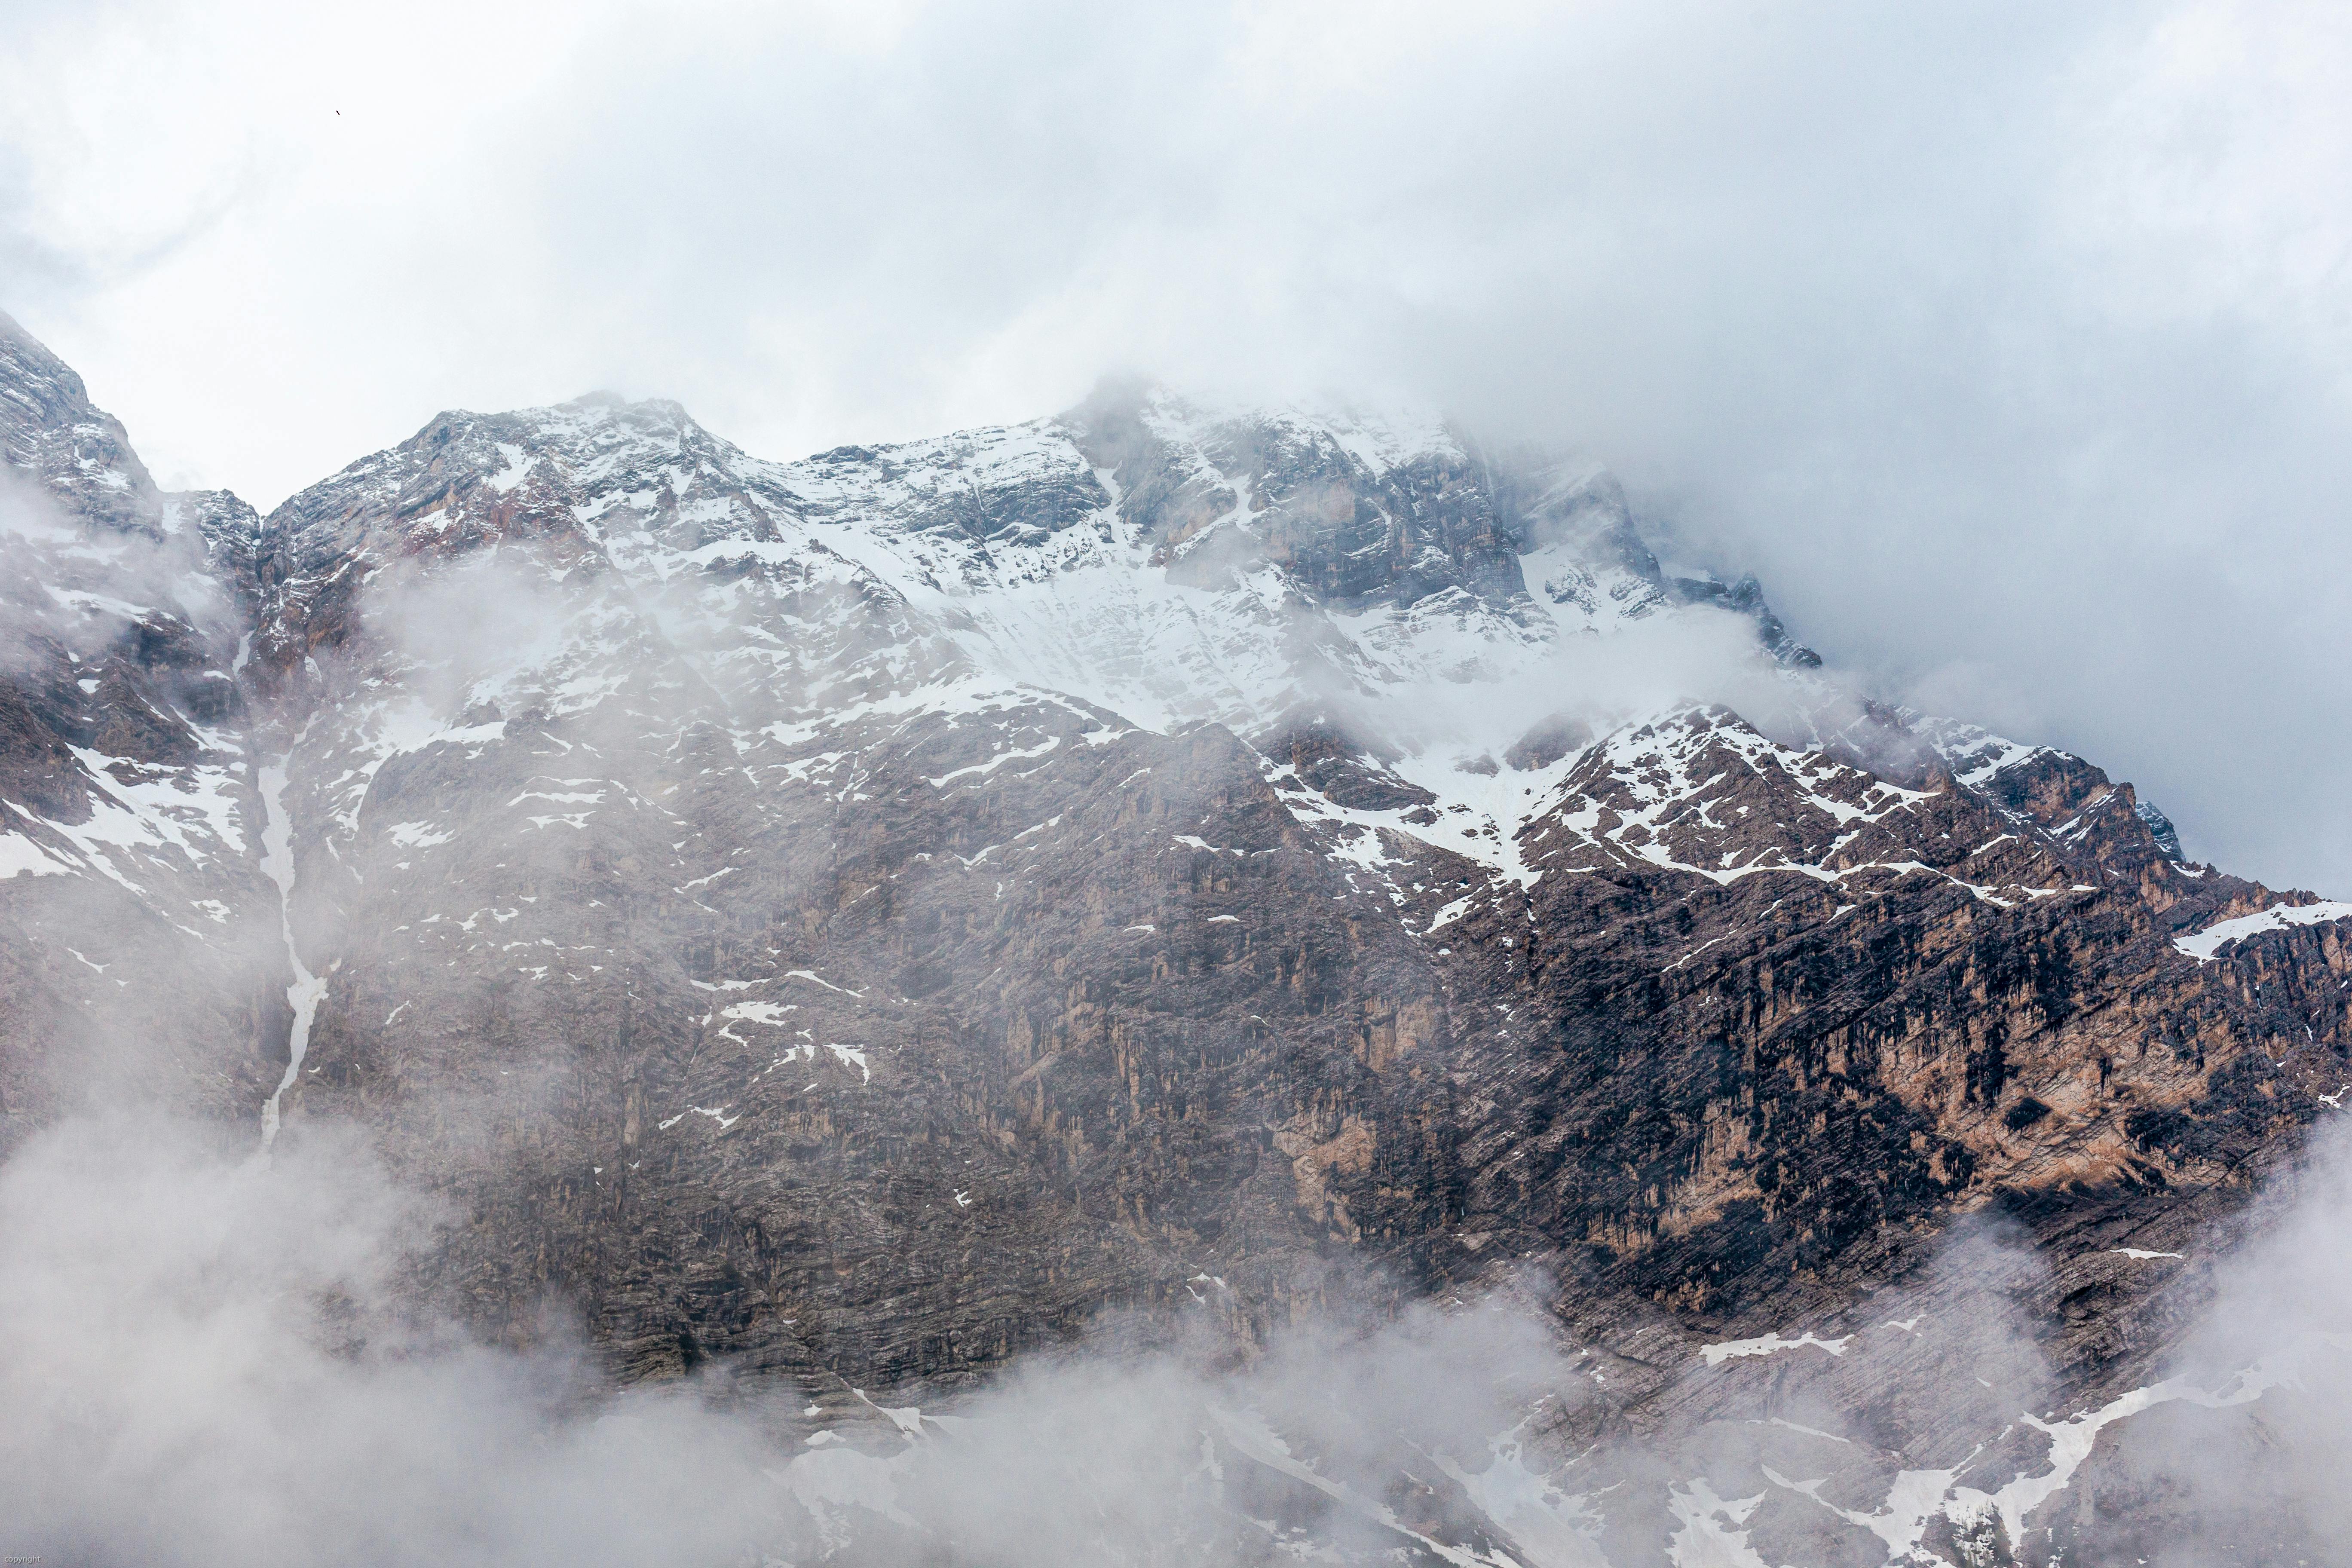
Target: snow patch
x=2207 y=944
x=20 y=857
x=1731 y=1350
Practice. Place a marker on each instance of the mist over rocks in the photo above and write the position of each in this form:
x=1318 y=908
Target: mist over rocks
x=1174 y=880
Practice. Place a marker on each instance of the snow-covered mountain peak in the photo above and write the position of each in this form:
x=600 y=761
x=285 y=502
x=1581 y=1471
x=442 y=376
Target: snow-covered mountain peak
x=1175 y=559
x=1167 y=561
x=71 y=450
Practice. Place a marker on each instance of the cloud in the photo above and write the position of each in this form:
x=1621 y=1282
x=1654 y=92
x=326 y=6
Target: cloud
x=2006 y=343
x=2237 y=1450
x=211 y=1366
x=214 y=1357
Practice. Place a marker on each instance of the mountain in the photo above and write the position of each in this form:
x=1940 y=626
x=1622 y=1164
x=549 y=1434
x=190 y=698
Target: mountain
x=848 y=924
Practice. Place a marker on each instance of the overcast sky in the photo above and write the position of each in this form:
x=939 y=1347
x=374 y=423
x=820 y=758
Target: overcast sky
x=2007 y=342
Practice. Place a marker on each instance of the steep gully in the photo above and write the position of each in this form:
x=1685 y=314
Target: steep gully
x=307 y=990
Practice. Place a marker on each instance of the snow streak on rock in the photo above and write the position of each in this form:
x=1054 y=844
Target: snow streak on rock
x=307 y=990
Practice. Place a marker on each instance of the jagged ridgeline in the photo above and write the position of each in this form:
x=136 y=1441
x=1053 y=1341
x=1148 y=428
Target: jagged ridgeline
x=848 y=923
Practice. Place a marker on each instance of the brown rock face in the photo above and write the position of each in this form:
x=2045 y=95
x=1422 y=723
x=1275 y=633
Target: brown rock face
x=854 y=921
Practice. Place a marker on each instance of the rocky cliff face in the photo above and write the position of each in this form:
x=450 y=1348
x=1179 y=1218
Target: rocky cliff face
x=853 y=921
x=135 y=902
